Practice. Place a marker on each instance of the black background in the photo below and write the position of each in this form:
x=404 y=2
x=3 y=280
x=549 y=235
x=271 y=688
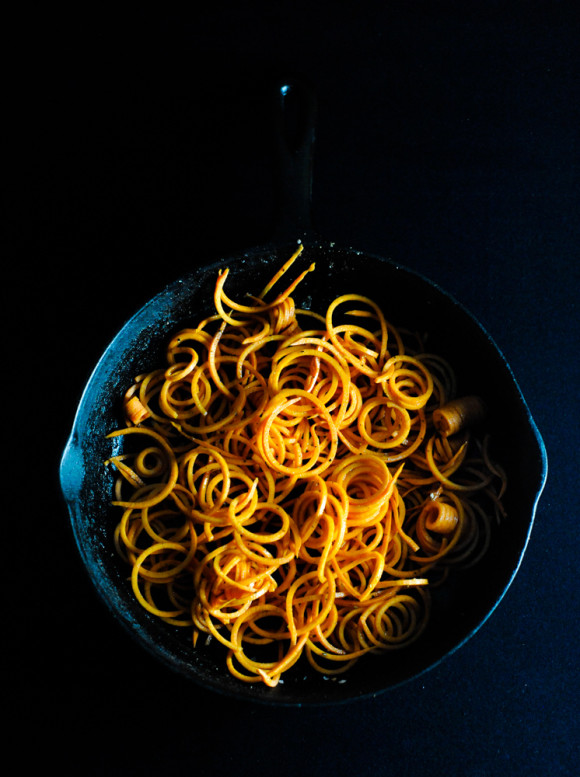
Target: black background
x=447 y=139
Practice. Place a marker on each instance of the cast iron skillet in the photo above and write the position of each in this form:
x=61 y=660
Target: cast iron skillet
x=410 y=300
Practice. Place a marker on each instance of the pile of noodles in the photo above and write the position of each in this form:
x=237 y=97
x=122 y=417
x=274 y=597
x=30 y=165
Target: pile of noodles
x=294 y=483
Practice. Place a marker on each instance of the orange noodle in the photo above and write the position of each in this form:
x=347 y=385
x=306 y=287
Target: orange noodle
x=293 y=484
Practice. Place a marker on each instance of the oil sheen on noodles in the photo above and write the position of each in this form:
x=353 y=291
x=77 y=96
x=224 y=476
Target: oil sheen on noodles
x=294 y=483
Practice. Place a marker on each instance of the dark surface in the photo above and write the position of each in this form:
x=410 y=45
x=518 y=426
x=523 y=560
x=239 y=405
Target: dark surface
x=447 y=140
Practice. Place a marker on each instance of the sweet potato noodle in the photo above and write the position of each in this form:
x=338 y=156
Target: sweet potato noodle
x=294 y=483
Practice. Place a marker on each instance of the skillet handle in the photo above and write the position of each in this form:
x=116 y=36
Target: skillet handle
x=296 y=110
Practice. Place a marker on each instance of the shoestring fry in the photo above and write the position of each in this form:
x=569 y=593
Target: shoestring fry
x=294 y=483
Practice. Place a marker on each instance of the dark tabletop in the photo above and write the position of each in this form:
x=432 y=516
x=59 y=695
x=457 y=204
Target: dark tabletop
x=447 y=140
